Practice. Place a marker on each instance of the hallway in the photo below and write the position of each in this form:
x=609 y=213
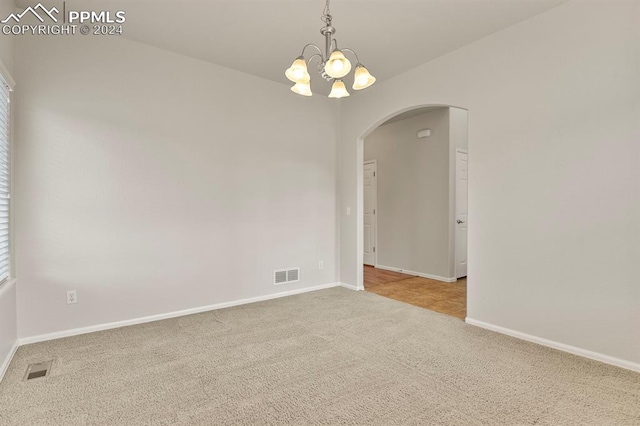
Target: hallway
x=446 y=298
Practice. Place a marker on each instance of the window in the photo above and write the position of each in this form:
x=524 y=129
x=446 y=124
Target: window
x=5 y=158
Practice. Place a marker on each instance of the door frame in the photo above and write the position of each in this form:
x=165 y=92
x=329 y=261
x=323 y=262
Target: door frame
x=375 y=209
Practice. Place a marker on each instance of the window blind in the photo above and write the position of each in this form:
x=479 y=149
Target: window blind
x=4 y=180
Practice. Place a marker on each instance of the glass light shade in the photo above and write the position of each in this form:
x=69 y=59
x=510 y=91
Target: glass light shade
x=362 y=79
x=303 y=89
x=297 y=72
x=338 y=90
x=338 y=65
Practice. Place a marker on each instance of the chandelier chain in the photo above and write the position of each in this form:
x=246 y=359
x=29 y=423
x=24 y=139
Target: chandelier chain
x=326 y=16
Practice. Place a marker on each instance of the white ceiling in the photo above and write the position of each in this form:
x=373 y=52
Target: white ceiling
x=262 y=37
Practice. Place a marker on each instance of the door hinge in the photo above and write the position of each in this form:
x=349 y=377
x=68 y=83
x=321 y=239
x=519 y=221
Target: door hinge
x=374 y=249
x=374 y=211
x=374 y=174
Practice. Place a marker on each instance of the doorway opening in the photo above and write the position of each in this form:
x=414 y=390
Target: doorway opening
x=414 y=208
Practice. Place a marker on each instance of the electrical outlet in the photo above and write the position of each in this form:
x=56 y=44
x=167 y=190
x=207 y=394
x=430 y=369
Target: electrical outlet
x=72 y=297
x=321 y=265
x=348 y=211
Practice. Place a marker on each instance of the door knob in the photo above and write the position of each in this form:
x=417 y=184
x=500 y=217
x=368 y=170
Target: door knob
x=460 y=221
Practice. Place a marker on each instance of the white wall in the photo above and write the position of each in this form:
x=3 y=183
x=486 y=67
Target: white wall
x=8 y=324
x=8 y=327
x=413 y=193
x=151 y=182
x=554 y=173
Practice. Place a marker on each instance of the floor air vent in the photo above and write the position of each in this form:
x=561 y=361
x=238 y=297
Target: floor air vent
x=286 y=276
x=35 y=371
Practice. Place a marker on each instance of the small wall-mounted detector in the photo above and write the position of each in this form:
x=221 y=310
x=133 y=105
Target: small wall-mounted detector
x=424 y=133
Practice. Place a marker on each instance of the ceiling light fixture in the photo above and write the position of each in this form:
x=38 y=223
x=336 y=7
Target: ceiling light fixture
x=333 y=65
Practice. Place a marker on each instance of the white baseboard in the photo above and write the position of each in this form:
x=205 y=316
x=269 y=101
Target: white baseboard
x=5 y=364
x=351 y=287
x=158 y=317
x=419 y=274
x=557 y=345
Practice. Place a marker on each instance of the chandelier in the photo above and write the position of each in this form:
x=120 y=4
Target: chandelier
x=333 y=65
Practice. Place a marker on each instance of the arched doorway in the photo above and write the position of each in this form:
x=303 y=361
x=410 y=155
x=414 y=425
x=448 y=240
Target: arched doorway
x=412 y=207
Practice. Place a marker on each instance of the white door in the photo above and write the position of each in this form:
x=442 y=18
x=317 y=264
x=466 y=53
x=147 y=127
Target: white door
x=370 y=205
x=461 y=213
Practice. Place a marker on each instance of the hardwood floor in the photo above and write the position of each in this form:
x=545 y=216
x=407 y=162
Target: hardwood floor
x=446 y=298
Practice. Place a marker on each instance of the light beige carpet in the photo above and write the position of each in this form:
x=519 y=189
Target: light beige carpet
x=330 y=357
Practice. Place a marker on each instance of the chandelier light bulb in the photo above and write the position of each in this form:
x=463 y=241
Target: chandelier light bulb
x=297 y=72
x=338 y=90
x=303 y=89
x=362 y=78
x=338 y=65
